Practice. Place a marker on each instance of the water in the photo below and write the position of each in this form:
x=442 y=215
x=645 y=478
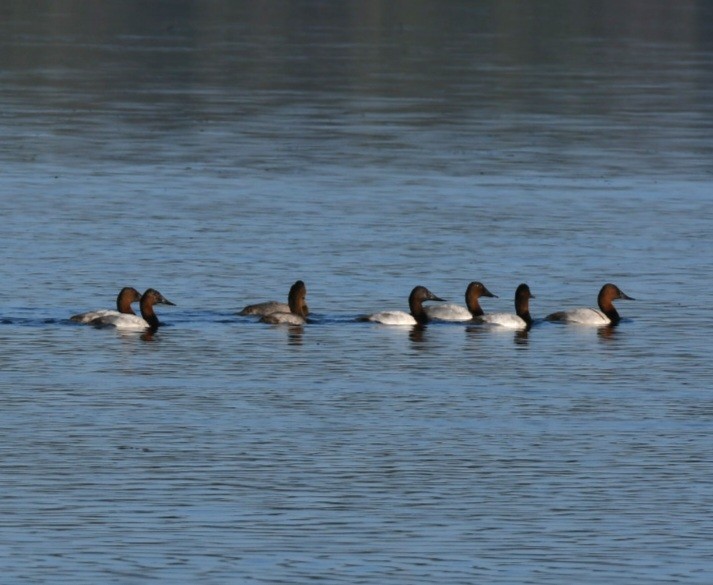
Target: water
x=220 y=151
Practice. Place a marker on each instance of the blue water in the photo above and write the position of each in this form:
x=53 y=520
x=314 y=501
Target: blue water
x=220 y=151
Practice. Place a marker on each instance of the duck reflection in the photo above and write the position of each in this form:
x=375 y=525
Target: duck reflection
x=522 y=338
x=295 y=334
x=476 y=330
x=607 y=333
x=417 y=334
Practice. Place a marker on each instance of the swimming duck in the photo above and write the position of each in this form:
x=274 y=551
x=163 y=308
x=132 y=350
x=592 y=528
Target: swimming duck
x=148 y=319
x=605 y=315
x=521 y=319
x=127 y=295
x=267 y=307
x=472 y=309
x=296 y=305
x=418 y=315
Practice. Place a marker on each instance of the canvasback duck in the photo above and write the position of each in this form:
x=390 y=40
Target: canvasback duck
x=605 y=315
x=472 y=307
x=147 y=320
x=521 y=319
x=268 y=307
x=418 y=315
x=296 y=305
x=127 y=295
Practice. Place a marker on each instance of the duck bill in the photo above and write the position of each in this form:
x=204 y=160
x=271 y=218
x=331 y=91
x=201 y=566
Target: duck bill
x=487 y=293
x=167 y=302
x=435 y=298
x=626 y=297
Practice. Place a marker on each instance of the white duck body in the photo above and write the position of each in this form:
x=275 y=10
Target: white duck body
x=449 y=312
x=507 y=320
x=584 y=316
x=392 y=318
x=261 y=309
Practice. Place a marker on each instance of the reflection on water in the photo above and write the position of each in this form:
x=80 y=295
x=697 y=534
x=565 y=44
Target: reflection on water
x=417 y=334
x=148 y=335
x=295 y=334
x=218 y=150
x=226 y=85
x=522 y=337
x=607 y=332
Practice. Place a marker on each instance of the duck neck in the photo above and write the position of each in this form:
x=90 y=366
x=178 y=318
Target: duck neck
x=522 y=308
x=298 y=307
x=123 y=305
x=296 y=299
x=607 y=307
x=612 y=313
x=527 y=318
x=475 y=308
x=418 y=312
x=149 y=315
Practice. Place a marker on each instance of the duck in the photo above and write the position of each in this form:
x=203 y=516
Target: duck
x=417 y=316
x=472 y=309
x=296 y=313
x=268 y=307
x=605 y=315
x=127 y=295
x=147 y=320
x=521 y=319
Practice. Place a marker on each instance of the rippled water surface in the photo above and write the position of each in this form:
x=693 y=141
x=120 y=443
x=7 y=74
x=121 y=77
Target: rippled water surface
x=220 y=151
